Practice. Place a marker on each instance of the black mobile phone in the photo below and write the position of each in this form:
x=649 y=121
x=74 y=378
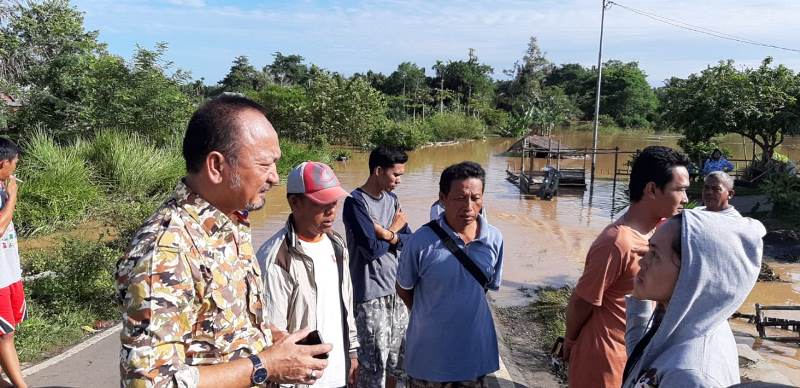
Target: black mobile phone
x=313 y=338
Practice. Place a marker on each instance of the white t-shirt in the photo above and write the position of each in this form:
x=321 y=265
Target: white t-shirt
x=10 y=269
x=329 y=312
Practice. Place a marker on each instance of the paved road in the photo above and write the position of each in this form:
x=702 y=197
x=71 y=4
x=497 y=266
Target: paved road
x=95 y=363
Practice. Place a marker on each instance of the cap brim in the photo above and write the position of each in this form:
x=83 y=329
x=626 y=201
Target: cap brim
x=329 y=195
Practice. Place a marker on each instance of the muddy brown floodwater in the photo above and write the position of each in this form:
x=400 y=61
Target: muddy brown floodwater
x=545 y=241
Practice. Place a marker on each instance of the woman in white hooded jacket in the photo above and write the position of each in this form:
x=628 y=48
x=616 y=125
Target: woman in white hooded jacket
x=699 y=269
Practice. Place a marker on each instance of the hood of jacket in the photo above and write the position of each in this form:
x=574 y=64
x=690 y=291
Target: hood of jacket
x=720 y=262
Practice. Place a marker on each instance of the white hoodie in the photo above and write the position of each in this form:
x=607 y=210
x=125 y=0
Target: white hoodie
x=694 y=345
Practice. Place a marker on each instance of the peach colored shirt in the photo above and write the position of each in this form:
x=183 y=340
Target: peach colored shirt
x=598 y=356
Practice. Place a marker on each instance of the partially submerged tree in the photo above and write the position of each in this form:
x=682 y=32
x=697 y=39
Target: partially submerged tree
x=761 y=104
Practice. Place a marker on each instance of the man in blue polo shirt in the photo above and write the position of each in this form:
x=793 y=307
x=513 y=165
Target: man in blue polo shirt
x=451 y=337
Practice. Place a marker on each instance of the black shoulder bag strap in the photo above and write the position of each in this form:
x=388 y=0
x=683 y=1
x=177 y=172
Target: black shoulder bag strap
x=462 y=256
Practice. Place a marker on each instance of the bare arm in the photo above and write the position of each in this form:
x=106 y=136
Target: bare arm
x=406 y=295
x=7 y=213
x=390 y=234
x=578 y=312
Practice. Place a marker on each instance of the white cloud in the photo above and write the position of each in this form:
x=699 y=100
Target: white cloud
x=379 y=34
x=188 y=3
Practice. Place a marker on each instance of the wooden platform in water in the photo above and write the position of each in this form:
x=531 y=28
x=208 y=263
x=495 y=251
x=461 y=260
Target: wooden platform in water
x=541 y=146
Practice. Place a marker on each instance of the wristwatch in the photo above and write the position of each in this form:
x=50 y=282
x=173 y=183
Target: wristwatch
x=260 y=374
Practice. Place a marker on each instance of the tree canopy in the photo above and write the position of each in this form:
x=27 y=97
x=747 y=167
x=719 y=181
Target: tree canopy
x=761 y=104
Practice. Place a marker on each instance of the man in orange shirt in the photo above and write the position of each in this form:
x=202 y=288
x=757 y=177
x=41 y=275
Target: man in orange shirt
x=595 y=337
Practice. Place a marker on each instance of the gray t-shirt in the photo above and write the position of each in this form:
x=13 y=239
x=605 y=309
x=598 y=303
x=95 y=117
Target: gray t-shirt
x=10 y=269
x=373 y=263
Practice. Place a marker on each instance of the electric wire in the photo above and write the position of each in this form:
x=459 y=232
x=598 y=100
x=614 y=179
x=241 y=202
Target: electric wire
x=699 y=29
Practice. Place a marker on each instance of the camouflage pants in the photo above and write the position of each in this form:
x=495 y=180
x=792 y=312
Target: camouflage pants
x=415 y=383
x=381 y=324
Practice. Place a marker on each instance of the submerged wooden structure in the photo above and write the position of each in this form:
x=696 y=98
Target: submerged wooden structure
x=544 y=183
x=539 y=146
x=762 y=322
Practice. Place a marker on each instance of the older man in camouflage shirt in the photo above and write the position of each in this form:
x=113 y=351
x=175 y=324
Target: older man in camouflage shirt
x=190 y=288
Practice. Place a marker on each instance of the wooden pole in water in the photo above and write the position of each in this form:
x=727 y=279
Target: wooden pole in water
x=558 y=154
x=597 y=94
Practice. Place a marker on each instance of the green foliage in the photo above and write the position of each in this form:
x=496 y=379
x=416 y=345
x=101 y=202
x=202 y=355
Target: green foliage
x=287 y=70
x=287 y=108
x=132 y=166
x=625 y=94
x=761 y=104
x=496 y=119
x=699 y=151
x=449 y=126
x=58 y=188
x=550 y=310
x=46 y=331
x=408 y=135
x=470 y=80
x=242 y=77
x=81 y=273
x=293 y=153
x=139 y=97
x=77 y=289
x=331 y=110
x=783 y=191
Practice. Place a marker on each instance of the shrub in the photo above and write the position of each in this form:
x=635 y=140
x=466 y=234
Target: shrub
x=496 y=119
x=81 y=275
x=77 y=290
x=783 y=191
x=293 y=154
x=58 y=188
x=132 y=166
x=699 y=151
x=453 y=126
x=402 y=134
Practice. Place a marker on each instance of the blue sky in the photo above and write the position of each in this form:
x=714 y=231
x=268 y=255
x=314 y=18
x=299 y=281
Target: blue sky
x=357 y=35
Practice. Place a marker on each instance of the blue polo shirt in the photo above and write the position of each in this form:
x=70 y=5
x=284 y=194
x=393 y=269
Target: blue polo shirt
x=450 y=335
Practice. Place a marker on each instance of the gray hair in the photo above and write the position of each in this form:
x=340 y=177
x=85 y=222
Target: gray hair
x=721 y=177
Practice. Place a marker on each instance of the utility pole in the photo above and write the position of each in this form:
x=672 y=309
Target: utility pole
x=606 y=4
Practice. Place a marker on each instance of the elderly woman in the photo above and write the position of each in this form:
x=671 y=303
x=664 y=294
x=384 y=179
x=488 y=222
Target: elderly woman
x=691 y=280
x=717 y=192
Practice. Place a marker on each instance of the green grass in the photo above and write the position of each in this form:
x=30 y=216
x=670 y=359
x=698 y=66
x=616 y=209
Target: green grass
x=78 y=292
x=44 y=333
x=131 y=165
x=549 y=311
x=58 y=190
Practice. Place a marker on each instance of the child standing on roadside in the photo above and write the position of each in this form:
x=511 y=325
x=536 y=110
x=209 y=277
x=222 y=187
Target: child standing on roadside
x=12 y=296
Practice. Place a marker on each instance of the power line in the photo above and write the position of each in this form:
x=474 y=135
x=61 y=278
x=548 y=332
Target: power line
x=702 y=30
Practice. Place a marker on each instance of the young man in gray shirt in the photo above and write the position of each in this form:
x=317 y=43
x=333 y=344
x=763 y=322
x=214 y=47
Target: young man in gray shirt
x=376 y=228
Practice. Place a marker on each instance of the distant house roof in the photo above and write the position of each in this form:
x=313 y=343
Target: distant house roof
x=10 y=101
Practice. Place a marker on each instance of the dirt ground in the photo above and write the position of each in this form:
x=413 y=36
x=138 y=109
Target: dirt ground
x=523 y=349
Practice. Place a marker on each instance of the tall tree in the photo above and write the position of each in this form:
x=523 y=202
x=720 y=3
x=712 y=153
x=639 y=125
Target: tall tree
x=242 y=77
x=761 y=104
x=287 y=69
x=471 y=79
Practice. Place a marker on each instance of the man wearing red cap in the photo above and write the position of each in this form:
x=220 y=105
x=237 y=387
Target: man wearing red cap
x=306 y=275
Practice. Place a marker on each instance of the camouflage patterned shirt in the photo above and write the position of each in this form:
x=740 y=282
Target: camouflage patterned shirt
x=190 y=290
